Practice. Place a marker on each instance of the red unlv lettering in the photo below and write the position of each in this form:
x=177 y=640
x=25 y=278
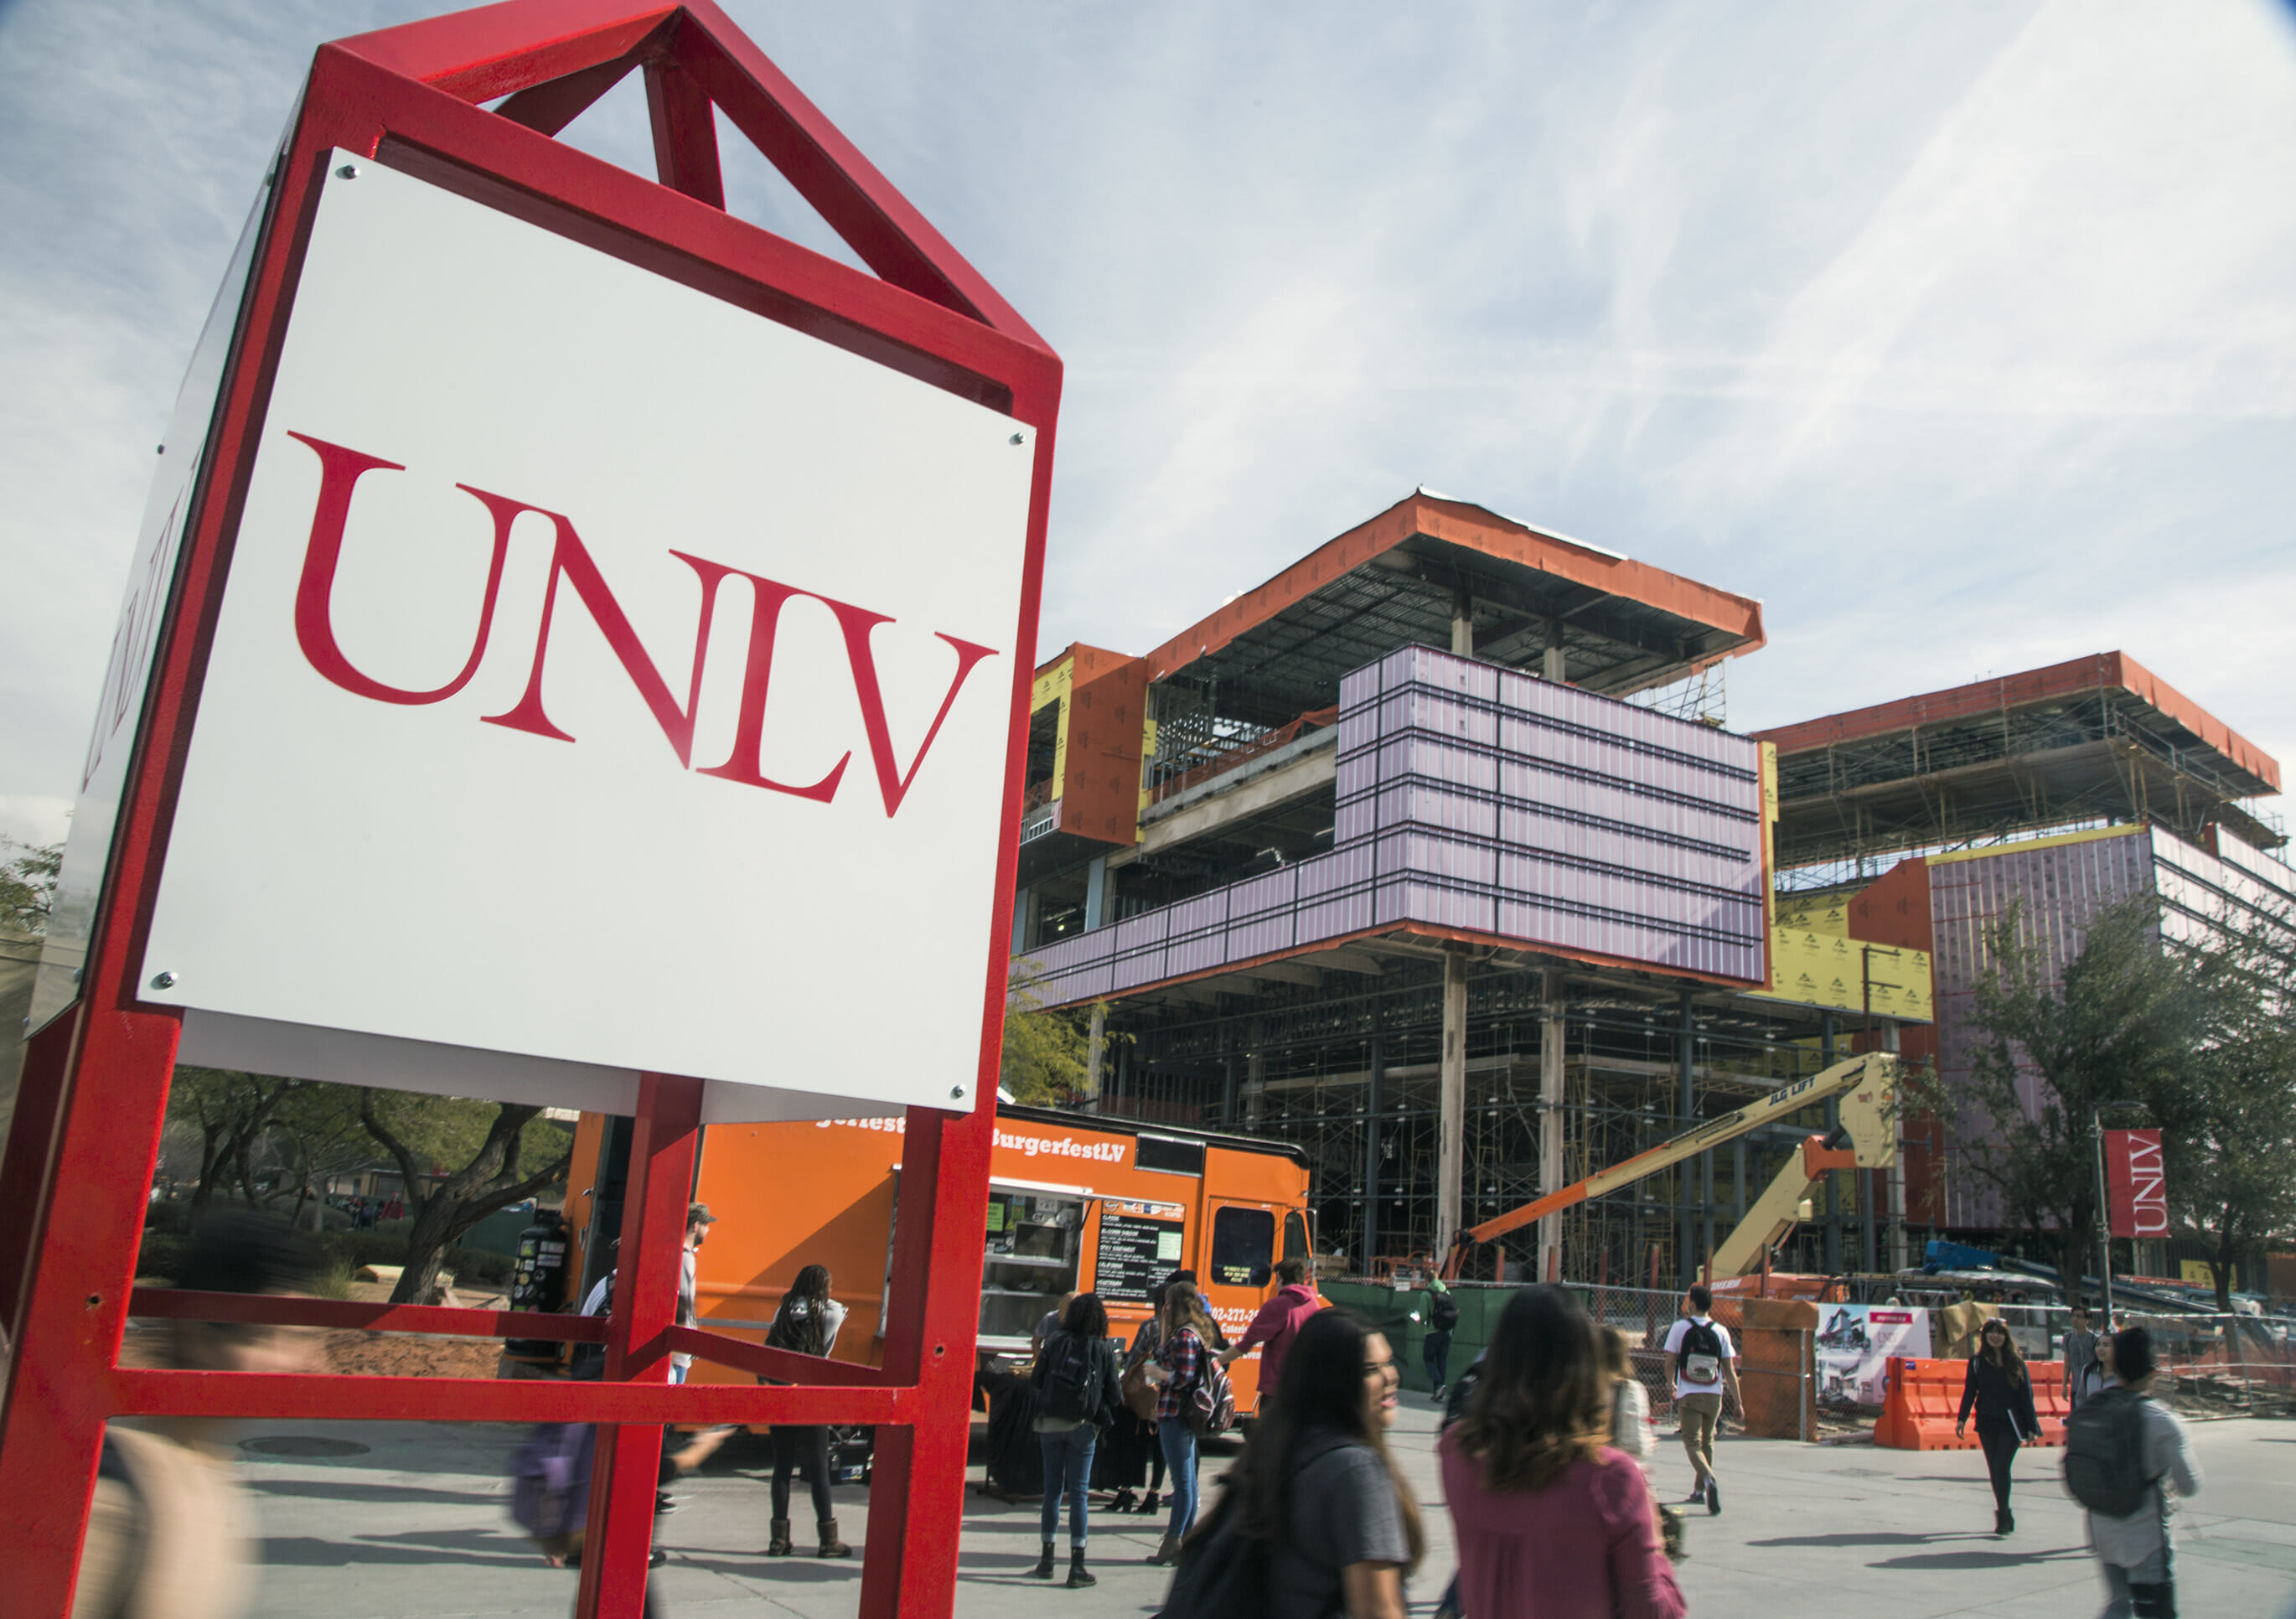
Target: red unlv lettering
x=341 y=468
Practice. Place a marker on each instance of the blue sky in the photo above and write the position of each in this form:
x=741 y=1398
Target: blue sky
x=1963 y=336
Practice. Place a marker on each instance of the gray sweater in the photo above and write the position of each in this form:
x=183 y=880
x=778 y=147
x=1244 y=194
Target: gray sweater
x=2126 y=1541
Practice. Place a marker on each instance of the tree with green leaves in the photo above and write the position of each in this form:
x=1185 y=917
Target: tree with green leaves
x=1046 y=1051
x=492 y=1141
x=2121 y=1026
x=230 y=1111
x=2231 y=1140
x=27 y=884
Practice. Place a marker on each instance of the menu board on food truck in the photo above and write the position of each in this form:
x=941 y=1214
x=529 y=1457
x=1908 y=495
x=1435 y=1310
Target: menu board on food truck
x=1140 y=1245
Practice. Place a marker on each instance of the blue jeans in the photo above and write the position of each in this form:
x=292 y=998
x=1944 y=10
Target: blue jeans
x=1068 y=1469
x=1177 y=1441
x=1436 y=1353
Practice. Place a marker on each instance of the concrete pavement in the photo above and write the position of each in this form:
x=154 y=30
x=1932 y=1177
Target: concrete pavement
x=416 y=1524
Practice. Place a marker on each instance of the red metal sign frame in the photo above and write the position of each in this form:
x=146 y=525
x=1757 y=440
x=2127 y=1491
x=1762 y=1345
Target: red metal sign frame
x=94 y=1095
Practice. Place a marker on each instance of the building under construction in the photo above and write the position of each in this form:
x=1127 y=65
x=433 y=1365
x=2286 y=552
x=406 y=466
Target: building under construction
x=1921 y=823
x=1432 y=855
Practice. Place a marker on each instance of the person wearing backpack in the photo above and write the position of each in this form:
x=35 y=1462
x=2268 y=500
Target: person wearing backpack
x=1435 y=1349
x=1316 y=1522
x=1079 y=1390
x=1705 y=1366
x=2121 y=1446
x=1183 y=1354
x=1998 y=1385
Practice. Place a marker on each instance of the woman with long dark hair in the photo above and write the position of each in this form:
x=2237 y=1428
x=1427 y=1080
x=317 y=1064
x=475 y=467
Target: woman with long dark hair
x=1998 y=1385
x=1553 y=1522
x=1318 y=1485
x=807 y=1323
x=1184 y=1346
x=1078 y=1385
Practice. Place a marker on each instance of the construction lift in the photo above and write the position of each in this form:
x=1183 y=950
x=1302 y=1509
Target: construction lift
x=1867 y=1137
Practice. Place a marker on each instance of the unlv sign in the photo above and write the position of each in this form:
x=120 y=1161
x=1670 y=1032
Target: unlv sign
x=2135 y=1183
x=607 y=678
x=571 y=564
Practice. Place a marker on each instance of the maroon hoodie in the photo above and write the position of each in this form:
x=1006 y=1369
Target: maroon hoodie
x=1277 y=1323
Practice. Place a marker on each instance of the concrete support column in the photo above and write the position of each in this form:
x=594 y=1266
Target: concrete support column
x=1095 y=1047
x=1551 y=1175
x=1451 y=1138
x=1462 y=624
x=1024 y=919
x=1831 y=1210
x=1894 y=1177
x=1228 y=1091
x=1555 y=663
x=1686 y=1259
x=1096 y=893
x=1255 y=1083
x=1374 y=1082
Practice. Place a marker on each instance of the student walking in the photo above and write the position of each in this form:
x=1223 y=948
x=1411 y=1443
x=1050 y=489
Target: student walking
x=1554 y=1522
x=807 y=1323
x=1705 y=1368
x=1997 y=1385
x=1077 y=1383
x=1184 y=1344
x=2121 y=1448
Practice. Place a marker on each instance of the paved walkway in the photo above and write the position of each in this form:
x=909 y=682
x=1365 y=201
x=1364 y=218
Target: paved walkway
x=416 y=1524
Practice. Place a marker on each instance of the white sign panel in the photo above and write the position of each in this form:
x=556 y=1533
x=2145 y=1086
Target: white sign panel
x=1857 y=1344
x=606 y=676
x=135 y=643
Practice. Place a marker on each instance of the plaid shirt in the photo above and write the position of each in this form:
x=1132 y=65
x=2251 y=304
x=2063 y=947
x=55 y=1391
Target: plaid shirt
x=1182 y=1355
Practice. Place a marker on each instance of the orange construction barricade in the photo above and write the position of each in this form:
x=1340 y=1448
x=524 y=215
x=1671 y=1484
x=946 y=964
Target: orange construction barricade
x=1922 y=1403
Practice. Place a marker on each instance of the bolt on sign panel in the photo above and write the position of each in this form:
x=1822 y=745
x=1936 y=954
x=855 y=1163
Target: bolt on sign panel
x=699 y=608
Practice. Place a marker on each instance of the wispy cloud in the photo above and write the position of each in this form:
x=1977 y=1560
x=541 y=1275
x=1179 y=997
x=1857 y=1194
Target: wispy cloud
x=1964 y=334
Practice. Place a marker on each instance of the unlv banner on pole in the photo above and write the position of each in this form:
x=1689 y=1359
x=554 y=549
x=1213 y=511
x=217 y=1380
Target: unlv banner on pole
x=2136 y=1190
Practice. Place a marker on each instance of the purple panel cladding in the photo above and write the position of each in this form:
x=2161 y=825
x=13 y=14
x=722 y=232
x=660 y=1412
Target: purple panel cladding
x=1495 y=803
x=2057 y=890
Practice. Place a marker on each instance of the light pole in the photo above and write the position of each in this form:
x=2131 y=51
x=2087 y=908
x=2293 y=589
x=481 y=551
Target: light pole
x=2105 y=1208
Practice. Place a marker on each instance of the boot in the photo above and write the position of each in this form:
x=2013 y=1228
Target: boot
x=2005 y=1522
x=831 y=1546
x=1078 y=1575
x=779 y=1545
x=1043 y=1568
x=1168 y=1552
x=1148 y=1505
x=1125 y=1500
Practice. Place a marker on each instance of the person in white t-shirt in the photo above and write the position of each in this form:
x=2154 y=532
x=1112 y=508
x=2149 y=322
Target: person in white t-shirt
x=1705 y=1368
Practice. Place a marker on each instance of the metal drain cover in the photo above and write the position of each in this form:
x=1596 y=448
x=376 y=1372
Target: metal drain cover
x=303 y=1444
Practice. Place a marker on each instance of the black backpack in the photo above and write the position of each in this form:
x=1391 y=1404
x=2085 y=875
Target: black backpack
x=2105 y=1454
x=1699 y=1339
x=1443 y=1314
x=1222 y=1571
x=1071 y=1391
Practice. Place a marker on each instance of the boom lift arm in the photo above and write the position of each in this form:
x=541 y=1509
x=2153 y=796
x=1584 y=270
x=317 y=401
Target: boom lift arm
x=1874 y=1074
x=1866 y=1138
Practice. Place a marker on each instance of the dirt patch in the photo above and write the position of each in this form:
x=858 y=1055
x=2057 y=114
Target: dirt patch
x=354 y=1353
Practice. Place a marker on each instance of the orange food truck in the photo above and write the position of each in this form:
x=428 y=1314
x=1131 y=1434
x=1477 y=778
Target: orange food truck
x=1076 y=1201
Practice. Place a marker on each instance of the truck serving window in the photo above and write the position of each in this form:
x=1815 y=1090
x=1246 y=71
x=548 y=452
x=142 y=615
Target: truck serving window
x=1173 y=1156
x=1244 y=1240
